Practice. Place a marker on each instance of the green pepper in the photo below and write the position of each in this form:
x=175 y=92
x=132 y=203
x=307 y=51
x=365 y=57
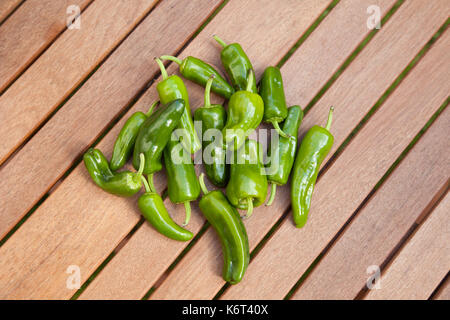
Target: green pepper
x=248 y=185
x=284 y=154
x=237 y=65
x=127 y=138
x=314 y=148
x=245 y=113
x=169 y=89
x=154 y=134
x=182 y=182
x=152 y=208
x=199 y=71
x=231 y=231
x=272 y=93
x=213 y=117
x=125 y=184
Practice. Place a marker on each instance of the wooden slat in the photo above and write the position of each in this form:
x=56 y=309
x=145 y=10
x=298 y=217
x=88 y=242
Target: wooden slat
x=28 y=32
x=63 y=66
x=6 y=7
x=75 y=225
x=444 y=292
x=290 y=251
x=128 y=275
x=379 y=227
x=422 y=263
x=92 y=108
x=352 y=83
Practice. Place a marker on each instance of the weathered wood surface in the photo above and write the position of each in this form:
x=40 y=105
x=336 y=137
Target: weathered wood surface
x=7 y=6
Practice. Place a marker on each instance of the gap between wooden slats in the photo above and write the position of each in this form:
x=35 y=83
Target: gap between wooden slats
x=7 y=7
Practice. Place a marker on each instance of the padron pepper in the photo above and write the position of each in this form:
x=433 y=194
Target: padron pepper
x=272 y=92
x=213 y=117
x=124 y=144
x=237 y=65
x=314 y=148
x=226 y=221
x=172 y=88
x=155 y=133
x=125 y=184
x=245 y=113
x=282 y=159
x=182 y=182
x=152 y=208
x=199 y=71
x=248 y=185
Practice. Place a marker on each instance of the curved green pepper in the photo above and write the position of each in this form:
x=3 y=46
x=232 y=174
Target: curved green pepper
x=155 y=133
x=245 y=113
x=232 y=234
x=248 y=185
x=182 y=182
x=126 y=139
x=237 y=65
x=125 y=184
x=152 y=208
x=199 y=71
x=284 y=153
x=213 y=117
x=172 y=88
x=314 y=148
x=272 y=93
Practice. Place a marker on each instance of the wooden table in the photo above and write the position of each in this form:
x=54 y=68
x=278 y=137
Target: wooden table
x=381 y=204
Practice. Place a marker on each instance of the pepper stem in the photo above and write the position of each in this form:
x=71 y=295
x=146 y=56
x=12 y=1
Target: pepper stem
x=202 y=184
x=208 y=91
x=150 y=110
x=273 y=191
x=330 y=118
x=250 y=78
x=187 y=207
x=220 y=41
x=172 y=58
x=150 y=182
x=146 y=186
x=141 y=164
x=276 y=126
x=249 y=208
x=163 y=69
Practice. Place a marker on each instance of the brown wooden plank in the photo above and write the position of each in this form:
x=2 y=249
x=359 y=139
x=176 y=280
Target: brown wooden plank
x=146 y=246
x=7 y=6
x=74 y=226
x=422 y=263
x=92 y=108
x=290 y=251
x=444 y=292
x=28 y=32
x=352 y=83
x=382 y=223
x=63 y=66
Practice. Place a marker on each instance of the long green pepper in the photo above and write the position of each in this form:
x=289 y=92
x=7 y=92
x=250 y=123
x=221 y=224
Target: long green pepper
x=314 y=148
x=228 y=225
x=282 y=159
x=172 y=88
x=213 y=117
x=199 y=72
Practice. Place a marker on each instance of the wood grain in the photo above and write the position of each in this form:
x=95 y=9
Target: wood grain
x=28 y=32
x=6 y=7
x=290 y=251
x=92 y=108
x=444 y=292
x=75 y=225
x=422 y=263
x=265 y=217
x=382 y=223
x=127 y=275
x=63 y=66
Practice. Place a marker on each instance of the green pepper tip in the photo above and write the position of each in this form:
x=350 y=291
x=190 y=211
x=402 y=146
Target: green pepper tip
x=172 y=58
x=187 y=207
x=330 y=118
x=249 y=208
x=162 y=68
x=220 y=41
x=273 y=191
x=276 y=126
x=202 y=184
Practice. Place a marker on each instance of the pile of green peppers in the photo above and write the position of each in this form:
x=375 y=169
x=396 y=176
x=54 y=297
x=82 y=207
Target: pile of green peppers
x=231 y=159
